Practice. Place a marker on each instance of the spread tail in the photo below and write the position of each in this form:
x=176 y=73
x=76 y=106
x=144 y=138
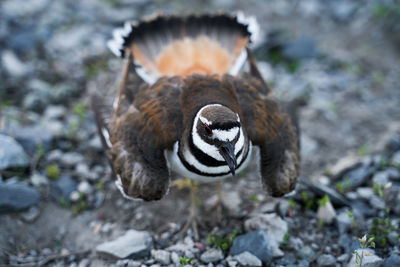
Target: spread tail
x=184 y=45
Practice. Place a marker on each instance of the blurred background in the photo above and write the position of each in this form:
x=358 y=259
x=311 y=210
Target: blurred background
x=342 y=56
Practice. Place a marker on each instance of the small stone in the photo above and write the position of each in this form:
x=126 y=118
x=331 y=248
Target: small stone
x=17 y=197
x=359 y=176
x=53 y=112
x=34 y=102
x=13 y=65
x=161 y=256
x=326 y=213
x=47 y=251
x=82 y=170
x=175 y=258
x=274 y=227
x=255 y=242
x=392 y=260
x=295 y=243
x=231 y=200
x=392 y=199
x=369 y=259
x=314 y=246
x=85 y=188
x=394 y=174
x=30 y=215
x=95 y=143
x=394 y=238
x=343 y=258
x=351 y=195
x=343 y=10
x=62 y=188
x=303 y=263
x=74 y=196
x=12 y=155
x=33 y=136
x=326 y=260
x=133 y=244
x=303 y=47
x=248 y=259
x=38 y=180
x=212 y=255
x=344 y=165
x=396 y=158
x=306 y=253
x=54 y=155
x=72 y=158
x=343 y=221
x=365 y=193
x=377 y=202
x=99 y=197
x=381 y=178
x=107 y=227
x=84 y=263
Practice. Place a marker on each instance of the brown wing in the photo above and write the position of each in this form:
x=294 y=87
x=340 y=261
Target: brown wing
x=145 y=123
x=271 y=129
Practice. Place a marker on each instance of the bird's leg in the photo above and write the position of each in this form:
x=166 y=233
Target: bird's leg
x=219 y=201
x=192 y=220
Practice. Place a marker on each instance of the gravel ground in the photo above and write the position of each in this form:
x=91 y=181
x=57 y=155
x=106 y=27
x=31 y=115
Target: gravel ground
x=59 y=207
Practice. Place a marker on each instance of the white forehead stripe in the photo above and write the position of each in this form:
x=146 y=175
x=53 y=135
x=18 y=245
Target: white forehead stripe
x=204 y=120
x=225 y=135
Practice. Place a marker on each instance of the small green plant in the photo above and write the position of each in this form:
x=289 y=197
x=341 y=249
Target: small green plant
x=100 y=185
x=63 y=202
x=323 y=201
x=78 y=208
x=53 y=171
x=381 y=227
x=343 y=186
x=185 y=261
x=378 y=189
x=308 y=202
x=365 y=243
x=79 y=109
x=40 y=150
x=293 y=65
x=353 y=221
x=384 y=11
x=363 y=150
x=320 y=224
x=254 y=198
x=285 y=239
x=224 y=243
x=292 y=203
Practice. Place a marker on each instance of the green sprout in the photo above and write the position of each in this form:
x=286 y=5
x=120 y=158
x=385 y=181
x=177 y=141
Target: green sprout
x=255 y=198
x=323 y=201
x=365 y=243
x=53 y=171
x=185 y=261
x=224 y=243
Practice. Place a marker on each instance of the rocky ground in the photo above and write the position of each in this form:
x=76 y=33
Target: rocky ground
x=59 y=207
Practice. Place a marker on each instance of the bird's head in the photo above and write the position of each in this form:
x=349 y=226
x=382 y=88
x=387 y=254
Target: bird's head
x=217 y=132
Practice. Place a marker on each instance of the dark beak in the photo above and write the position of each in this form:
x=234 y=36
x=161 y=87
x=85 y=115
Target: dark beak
x=227 y=151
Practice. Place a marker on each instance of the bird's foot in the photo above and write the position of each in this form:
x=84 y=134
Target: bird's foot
x=192 y=223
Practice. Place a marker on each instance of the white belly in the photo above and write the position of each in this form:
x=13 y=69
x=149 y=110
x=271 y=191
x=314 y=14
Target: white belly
x=178 y=169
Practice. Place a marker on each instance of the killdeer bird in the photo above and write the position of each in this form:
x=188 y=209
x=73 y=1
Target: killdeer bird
x=184 y=110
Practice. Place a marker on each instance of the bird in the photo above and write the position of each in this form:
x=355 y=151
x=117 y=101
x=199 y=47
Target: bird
x=186 y=108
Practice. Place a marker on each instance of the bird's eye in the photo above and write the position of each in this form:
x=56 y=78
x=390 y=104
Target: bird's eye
x=208 y=129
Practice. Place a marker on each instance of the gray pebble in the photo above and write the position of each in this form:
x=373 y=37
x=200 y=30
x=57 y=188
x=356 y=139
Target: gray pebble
x=212 y=255
x=326 y=260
